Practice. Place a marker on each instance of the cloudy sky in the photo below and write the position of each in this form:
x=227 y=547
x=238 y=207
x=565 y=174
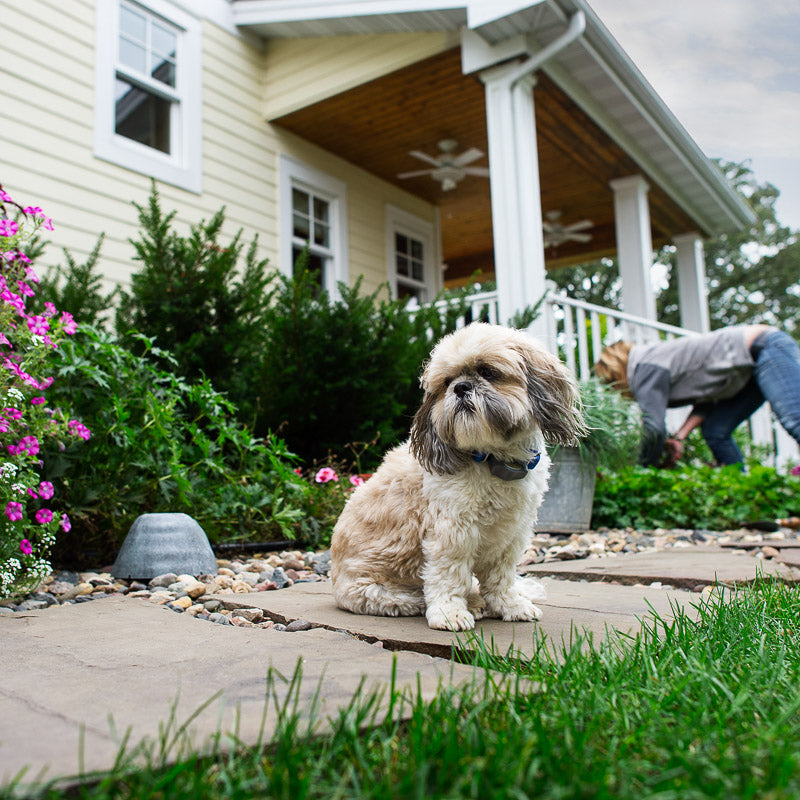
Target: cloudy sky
x=730 y=72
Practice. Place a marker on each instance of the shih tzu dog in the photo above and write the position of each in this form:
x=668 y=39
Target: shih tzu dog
x=440 y=527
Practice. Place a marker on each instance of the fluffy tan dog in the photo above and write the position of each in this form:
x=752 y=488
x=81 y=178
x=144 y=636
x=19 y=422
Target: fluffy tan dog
x=460 y=498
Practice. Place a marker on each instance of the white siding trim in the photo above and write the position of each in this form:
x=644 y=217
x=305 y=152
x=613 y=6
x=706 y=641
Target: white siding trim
x=295 y=173
x=183 y=168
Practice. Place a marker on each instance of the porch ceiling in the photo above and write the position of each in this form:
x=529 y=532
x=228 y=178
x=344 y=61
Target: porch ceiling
x=375 y=125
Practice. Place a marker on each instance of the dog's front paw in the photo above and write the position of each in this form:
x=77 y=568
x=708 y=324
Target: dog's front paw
x=450 y=616
x=513 y=606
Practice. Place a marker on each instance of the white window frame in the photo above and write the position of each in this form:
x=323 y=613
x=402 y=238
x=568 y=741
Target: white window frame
x=410 y=225
x=294 y=174
x=182 y=166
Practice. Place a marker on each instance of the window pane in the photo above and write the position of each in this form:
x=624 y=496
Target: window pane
x=163 y=57
x=322 y=234
x=300 y=226
x=132 y=55
x=417 y=272
x=132 y=24
x=400 y=243
x=409 y=292
x=416 y=249
x=163 y=71
x=141 y=116
x=300 y=201
x=312 y=263
x=402 y=265
x=320 y=210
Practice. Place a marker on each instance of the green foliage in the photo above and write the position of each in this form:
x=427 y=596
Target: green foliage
x=713 y=498
x=78 y=288
x=160 y=443
x=614 y=423
x=343 y=370
x=193 y=300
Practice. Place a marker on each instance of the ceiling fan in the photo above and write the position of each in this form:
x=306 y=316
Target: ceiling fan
x=556 y=232
x=448 y=168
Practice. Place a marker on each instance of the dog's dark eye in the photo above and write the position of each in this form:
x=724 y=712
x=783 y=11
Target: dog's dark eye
x=447 y=382
x=488 y=373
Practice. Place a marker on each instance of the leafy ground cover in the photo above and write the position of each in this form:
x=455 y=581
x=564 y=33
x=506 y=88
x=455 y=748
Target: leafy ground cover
x=702 y=706
x=693 y=496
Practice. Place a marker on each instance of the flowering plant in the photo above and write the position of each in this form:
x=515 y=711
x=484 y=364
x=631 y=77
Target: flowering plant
x=28 y=524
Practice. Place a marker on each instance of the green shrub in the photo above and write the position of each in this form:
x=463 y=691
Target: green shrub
x=713 y=498
x=193 y=299
x=78 y=289
x=344 y=370
x=160 y=443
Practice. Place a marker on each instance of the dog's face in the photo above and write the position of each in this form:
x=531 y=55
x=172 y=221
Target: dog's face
x=488 y=387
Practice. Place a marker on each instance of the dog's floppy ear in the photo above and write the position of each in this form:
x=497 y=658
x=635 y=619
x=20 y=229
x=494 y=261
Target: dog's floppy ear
x=428 y=447
x=554 y=398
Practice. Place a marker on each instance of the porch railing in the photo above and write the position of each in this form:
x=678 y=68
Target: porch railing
x=577 y=331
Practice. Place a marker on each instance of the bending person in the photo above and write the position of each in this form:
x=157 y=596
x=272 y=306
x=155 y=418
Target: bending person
x=724 y=375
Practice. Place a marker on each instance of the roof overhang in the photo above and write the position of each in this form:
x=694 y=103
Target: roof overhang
x=594 y=72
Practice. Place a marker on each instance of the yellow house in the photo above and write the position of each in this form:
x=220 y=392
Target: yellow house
x=413 y=142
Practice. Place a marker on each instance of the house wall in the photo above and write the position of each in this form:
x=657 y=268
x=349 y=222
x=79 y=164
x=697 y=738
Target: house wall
x=47 y=159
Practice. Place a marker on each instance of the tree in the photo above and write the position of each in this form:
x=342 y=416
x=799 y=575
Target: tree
x=752 y=274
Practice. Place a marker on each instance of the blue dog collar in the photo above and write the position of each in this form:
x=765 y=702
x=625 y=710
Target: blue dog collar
x=504 y=471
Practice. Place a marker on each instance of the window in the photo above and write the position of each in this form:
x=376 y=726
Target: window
x=148 y=104
x=313 y=217
x=411 y=255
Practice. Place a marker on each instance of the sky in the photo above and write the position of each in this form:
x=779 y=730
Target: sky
x=730 y=72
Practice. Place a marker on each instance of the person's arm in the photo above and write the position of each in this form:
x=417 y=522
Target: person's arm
x=650 y=387
x=675 y=443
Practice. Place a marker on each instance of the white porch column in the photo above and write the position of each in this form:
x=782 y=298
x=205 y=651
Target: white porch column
x=692 y=292
x=516 y=195
x=634 y=245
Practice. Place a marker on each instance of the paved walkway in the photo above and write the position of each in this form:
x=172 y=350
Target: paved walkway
x=77 y=678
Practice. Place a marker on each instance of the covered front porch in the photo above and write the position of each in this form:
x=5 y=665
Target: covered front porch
x=533 y=135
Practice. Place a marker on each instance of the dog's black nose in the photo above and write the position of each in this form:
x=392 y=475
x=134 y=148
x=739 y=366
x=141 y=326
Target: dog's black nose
x=462 y=388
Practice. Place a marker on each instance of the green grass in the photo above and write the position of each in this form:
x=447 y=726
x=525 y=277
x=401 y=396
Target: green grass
x=702 y=706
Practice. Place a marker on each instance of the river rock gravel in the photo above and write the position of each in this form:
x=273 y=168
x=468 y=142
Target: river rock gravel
x=199 y=596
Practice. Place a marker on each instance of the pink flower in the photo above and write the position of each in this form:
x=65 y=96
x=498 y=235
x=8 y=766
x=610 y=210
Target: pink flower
x=25 y=290
x=32 y=493
x=68 y=323
x=795 y=470
x=46 y=490
x=356 y=480
x=37 y=401
x=49 y=309
x=44 y=515
x=14 y=511
x=38 y=325
x=29 y=444
x=298 y=471
x=26 y=547
x=5 y=197
x=325 y=475
x=77 y=428
x=66 y=525
x=8 y=227
x=4 y=425
x=12 y=413
x=4 y=340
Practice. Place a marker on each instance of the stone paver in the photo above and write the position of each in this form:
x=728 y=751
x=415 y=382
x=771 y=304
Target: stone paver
x=583 y=606
x=68 y=668
x=686 y=568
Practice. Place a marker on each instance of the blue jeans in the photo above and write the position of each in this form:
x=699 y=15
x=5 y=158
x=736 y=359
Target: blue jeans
x=776 y=379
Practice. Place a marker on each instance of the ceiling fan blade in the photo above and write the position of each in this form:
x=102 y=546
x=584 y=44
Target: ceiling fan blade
x=482 y=172
x=580 y=226
x=415 y=174
x=578 y=237
x=468 y=156
x=425 y=157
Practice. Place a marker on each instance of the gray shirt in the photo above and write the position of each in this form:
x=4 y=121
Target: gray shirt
x=690 y=370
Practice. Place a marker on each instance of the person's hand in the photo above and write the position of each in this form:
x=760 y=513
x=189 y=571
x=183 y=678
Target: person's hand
x=673 y=452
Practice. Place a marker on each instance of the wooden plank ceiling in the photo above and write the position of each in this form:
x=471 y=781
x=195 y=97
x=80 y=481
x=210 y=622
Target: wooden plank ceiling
x=376 y=125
